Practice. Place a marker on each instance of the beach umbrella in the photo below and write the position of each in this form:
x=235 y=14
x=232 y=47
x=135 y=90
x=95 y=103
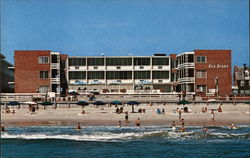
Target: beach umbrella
x=115 y=102
x=46 y=103
x=13 y=103
x=30 y=103
x=133 y=103
x=82 y=103
x=99 y=103
x=73 y=93
x=183 y=102
x=94 y=92
x=212 y=100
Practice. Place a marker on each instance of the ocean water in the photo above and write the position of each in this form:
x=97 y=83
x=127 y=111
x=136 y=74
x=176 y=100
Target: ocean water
x=124 y=142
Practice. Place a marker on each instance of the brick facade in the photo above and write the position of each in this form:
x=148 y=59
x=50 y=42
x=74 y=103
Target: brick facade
x=218 y=64
x=27 y=71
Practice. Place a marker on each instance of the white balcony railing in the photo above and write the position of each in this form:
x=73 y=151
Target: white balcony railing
x=185 y=65
x=186 y=79
x=55 y=80
x=55 y=65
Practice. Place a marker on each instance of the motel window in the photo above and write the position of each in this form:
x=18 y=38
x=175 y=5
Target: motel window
x=118 y=61
x=201 y=59
x=141 y=61
x=160 y=61
x=201 y=88
x=96 y=75
x=95 y=61
x=77 y=75
x=201 y=74
x=160 y=74
x=142 y=74
x=77 y=61
x=44 y=74
x=43 y=60
x=119 y=75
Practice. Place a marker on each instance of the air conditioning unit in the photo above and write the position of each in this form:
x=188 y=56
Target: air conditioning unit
x=159 y=81
x=118 y=67
x=77 y=67
x=159 y=67
x=141 y=67
x=95 y=67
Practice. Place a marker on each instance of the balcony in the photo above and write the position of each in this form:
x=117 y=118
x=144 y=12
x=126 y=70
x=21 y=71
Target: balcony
x=55 y=66
x=55 y=80
x=186 y=79
x=185 y=65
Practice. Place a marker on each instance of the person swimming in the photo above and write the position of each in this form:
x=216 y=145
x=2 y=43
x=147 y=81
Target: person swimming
x=204 y=130
x=233 y=126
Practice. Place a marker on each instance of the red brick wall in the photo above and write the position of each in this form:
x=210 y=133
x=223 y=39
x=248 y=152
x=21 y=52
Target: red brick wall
x=27 y=71
x=216 y=59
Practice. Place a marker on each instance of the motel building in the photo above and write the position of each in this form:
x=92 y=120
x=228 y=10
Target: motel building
x=201 y=72
x=119 y=73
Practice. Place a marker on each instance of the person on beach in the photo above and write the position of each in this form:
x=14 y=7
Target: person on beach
x=126 y=117
x=179 y=111
x=163 y=112
x=138 y=122
x=219 y=109
x=182 y=120
x=2 y=128
x=119 y=123
x=212 y=115
x=78 y=126
x=158 y=111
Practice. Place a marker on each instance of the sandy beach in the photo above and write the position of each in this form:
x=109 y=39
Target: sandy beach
x=105 y=115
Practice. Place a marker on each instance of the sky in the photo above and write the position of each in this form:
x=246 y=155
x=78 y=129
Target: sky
x=122 y=27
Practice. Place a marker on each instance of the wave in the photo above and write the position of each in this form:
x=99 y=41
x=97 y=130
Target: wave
x=109 y=136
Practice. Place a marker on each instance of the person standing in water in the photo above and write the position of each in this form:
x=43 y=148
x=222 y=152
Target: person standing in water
x=173 y=125
x=2 y=128
x=182 y=129
x=78 y=126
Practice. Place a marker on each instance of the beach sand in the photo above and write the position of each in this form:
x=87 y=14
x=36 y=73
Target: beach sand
x=106 y=116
